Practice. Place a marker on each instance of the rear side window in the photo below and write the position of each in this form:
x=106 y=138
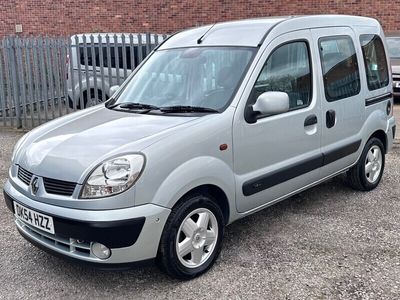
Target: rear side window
x=339 y=67
x=375 y=61
x=287 y=70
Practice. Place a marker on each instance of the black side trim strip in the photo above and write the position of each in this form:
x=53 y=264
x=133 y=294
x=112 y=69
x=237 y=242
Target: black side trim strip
x=377 y=99
x=336 y=154
x=264 y=182
x=271 y=179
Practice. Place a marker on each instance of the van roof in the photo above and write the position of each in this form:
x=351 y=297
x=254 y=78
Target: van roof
x=252 y=32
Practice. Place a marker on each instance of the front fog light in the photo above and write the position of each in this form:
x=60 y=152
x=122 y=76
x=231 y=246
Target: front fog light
x=100 y=251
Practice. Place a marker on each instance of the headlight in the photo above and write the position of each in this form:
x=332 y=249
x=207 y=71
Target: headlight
x=113 y=176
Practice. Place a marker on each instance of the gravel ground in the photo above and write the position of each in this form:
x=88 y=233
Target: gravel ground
x=329 y=242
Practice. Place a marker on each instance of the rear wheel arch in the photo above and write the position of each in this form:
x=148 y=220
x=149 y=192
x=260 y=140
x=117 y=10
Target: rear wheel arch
x=359 y=175
x=381 y=135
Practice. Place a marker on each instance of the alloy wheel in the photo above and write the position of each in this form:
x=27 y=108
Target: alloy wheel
x=197 y=237
x=373 y=164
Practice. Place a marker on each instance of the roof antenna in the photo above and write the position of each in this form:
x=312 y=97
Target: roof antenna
x=200 y=39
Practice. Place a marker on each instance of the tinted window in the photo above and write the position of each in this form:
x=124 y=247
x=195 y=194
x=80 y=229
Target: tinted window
x=339 y=67
x=287 y=70
x=112 y=61
x=375 y=61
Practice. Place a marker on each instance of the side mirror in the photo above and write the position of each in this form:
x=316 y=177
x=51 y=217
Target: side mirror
x=272 y=103
x=113 y=89
x=268 y=103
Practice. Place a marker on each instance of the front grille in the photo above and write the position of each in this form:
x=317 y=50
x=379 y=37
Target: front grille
x=70 y=245
x=59 y=187
x=24 y=175
x=52 y=186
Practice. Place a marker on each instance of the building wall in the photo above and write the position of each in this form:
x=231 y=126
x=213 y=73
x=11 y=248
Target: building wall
x=62 y=17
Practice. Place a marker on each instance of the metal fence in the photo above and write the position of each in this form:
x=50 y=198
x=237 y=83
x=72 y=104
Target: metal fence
x=44 y=78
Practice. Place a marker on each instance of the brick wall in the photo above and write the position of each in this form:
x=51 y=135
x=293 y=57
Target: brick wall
x=62 y=17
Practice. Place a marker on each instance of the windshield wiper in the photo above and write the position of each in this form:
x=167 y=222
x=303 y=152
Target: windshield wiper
x=164 y=109
x=134 y=105
x=187 y=108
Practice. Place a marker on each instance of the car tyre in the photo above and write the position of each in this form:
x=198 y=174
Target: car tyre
x=367 y=173
x=192 y=237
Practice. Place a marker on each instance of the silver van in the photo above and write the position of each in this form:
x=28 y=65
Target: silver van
x=100 y=60
x=217 y=123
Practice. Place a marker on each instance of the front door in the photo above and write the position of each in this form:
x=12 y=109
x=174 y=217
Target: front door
x=279 y=154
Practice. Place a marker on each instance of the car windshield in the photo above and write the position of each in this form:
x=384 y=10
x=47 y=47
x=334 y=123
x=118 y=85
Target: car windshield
x=202 y=77
x=394 y=47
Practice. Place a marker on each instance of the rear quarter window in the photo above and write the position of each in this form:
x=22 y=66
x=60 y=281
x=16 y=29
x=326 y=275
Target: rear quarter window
x=375 y=61
x=339 y=67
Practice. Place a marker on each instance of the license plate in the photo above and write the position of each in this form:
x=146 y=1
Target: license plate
x=34 y=218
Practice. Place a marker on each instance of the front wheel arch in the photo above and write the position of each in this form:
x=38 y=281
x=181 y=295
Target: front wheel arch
x=168 y=257
x=217 y=194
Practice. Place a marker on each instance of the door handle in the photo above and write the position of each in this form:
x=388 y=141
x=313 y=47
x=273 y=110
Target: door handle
x=330 y=118
x=310 y=120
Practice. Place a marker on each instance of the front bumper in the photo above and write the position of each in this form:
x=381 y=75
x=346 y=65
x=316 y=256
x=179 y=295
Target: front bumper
x=132 y=234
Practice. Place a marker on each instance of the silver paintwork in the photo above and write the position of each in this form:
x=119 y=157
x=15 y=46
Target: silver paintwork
x=145 y=247
x=271 y=103
x=183 y=153
x=200 y=238
x=234 y=33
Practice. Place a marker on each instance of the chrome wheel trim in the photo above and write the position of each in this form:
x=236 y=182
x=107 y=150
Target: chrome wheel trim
x=196 y=238
x=373 y=164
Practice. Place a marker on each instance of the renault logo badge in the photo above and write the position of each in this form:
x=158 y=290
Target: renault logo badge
x=35 y=185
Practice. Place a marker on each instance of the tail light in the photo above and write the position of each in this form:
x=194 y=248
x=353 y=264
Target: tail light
x=389 y=108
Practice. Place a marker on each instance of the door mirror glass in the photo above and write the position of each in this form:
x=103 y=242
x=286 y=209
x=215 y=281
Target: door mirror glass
x=113 y=89
x=272 y=103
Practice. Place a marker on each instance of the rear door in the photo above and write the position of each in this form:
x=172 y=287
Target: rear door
x=343 y=96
